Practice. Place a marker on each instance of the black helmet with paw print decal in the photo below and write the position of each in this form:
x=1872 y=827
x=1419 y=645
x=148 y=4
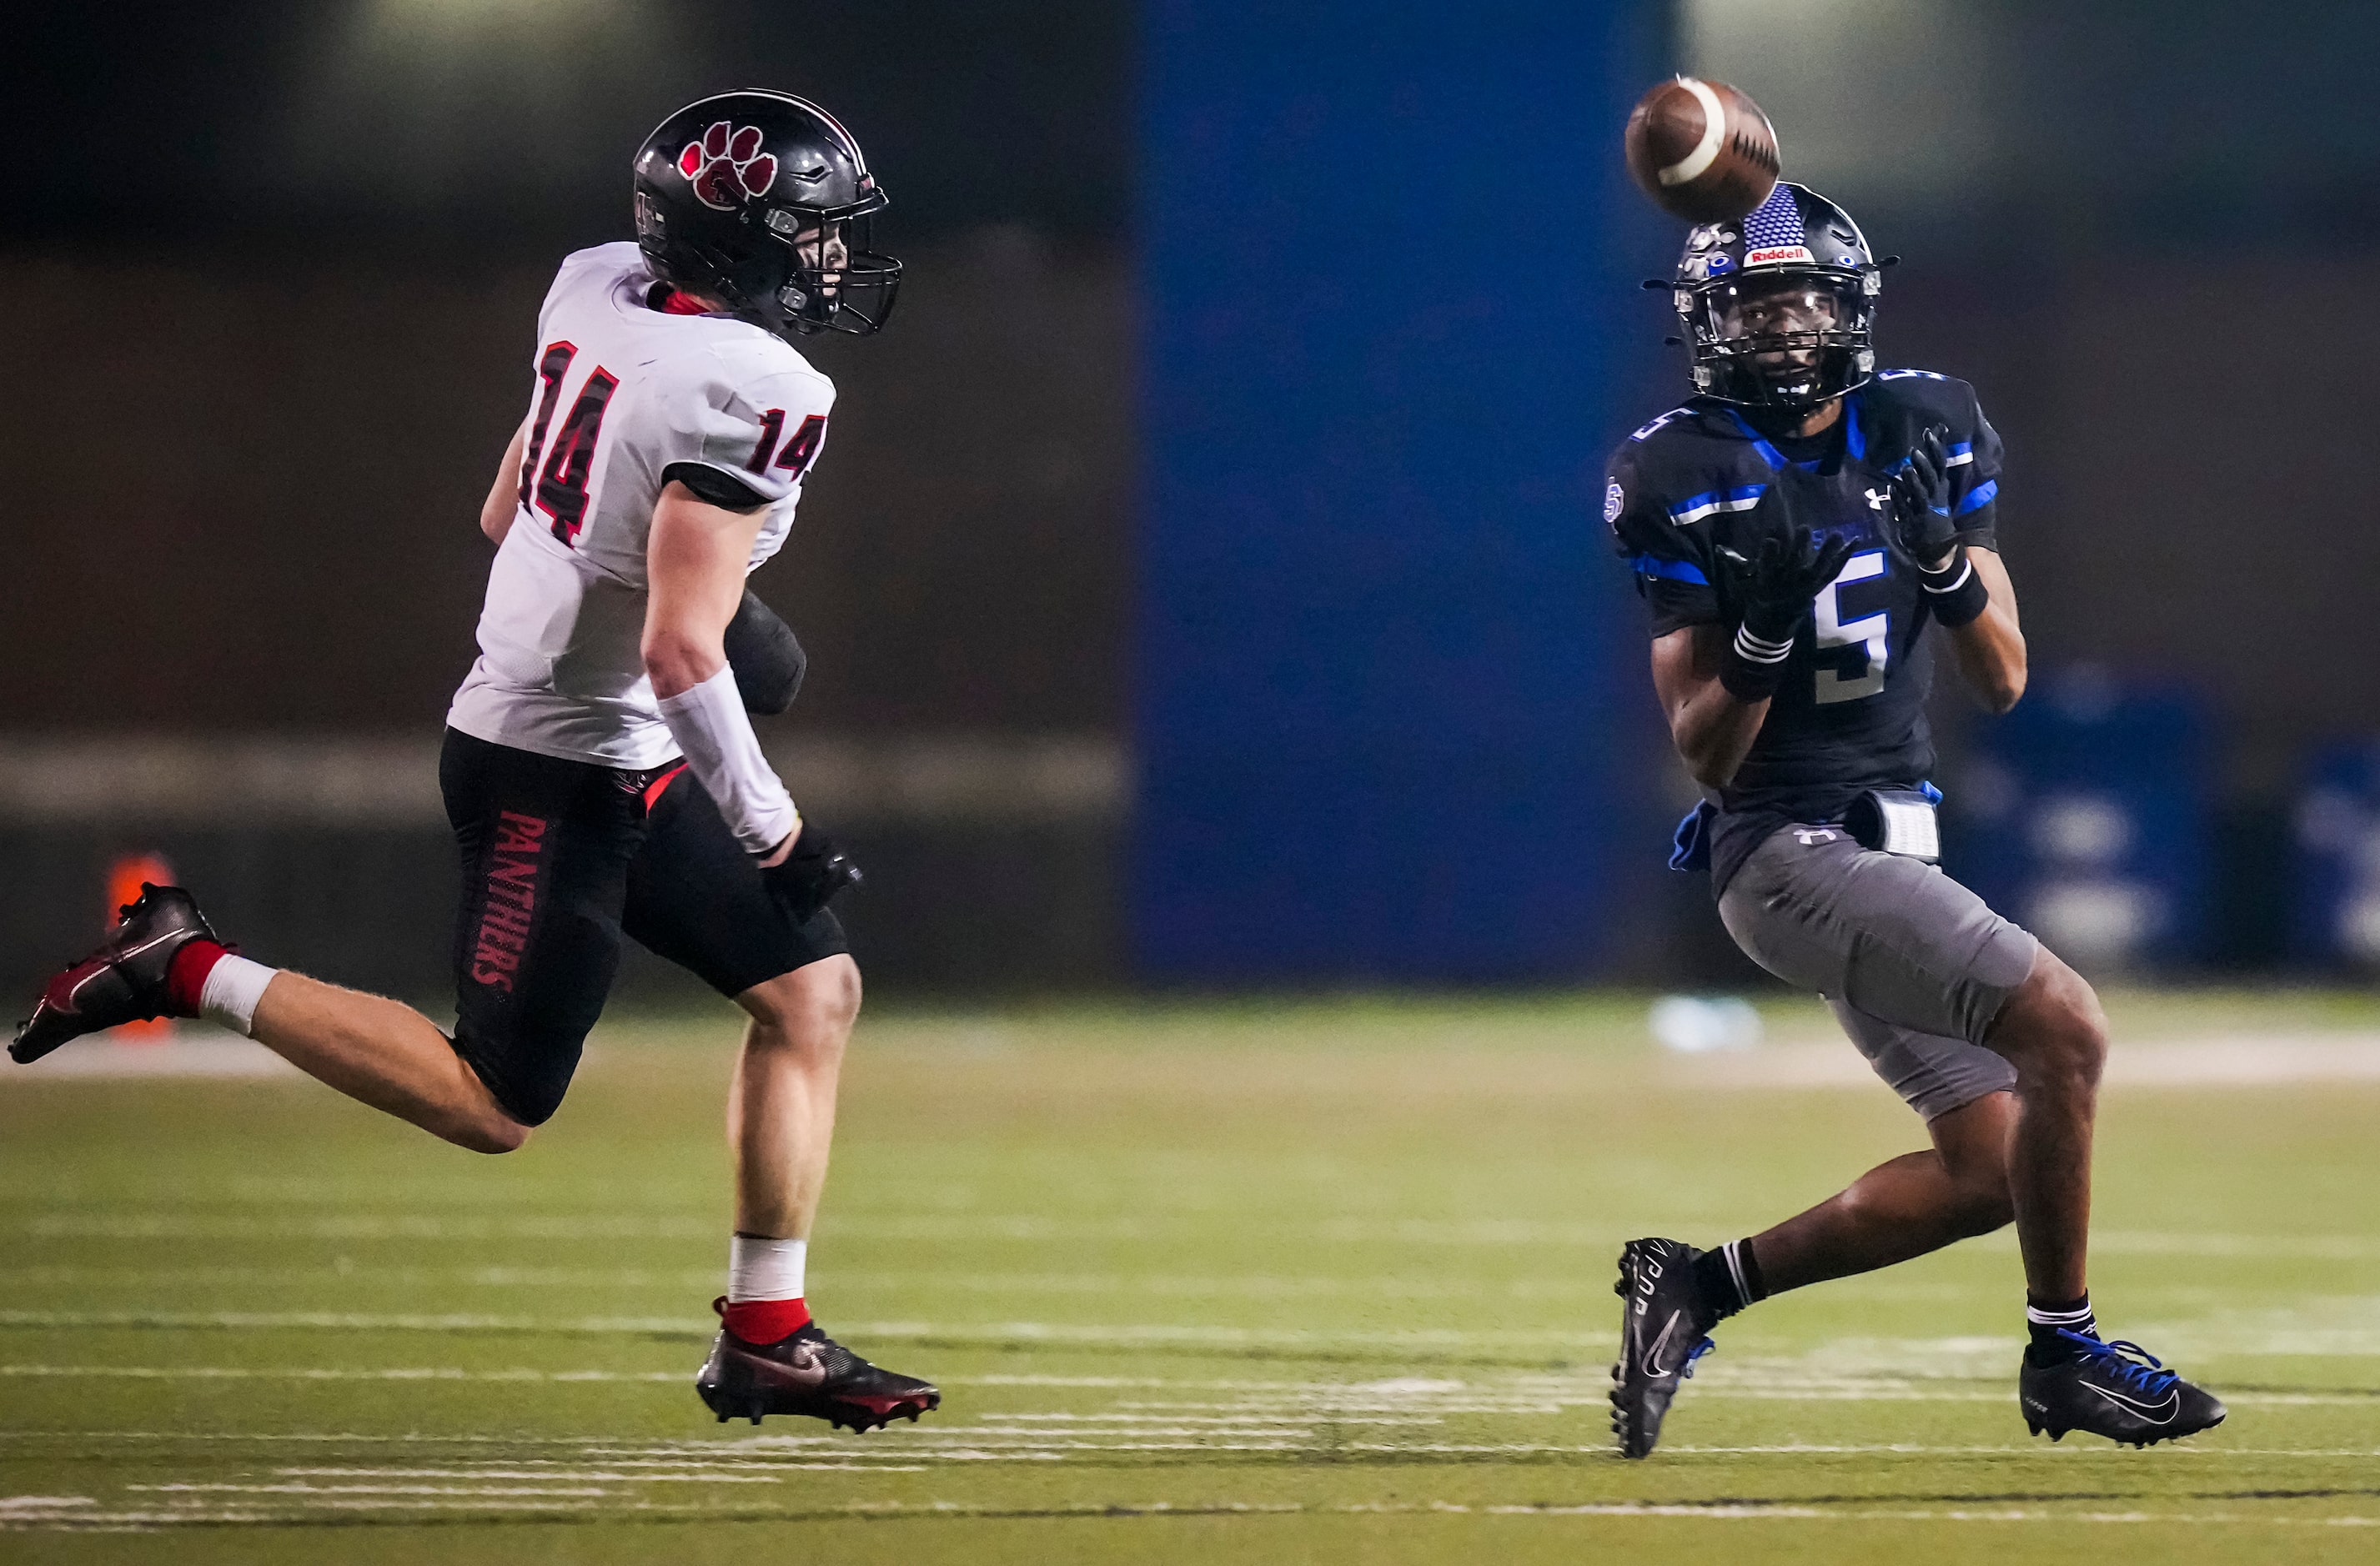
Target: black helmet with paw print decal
x=763 y=200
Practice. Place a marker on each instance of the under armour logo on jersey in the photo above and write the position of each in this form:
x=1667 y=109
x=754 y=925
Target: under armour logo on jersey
x=727 y=168
x=1875 y=498
x=1810 y=837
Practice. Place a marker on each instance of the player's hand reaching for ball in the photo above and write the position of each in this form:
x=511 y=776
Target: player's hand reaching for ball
x=805 y=874
x=1921 y=502
x=1777 y=584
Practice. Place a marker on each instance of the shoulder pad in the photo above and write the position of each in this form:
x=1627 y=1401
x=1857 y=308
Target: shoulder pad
x=1923 y=388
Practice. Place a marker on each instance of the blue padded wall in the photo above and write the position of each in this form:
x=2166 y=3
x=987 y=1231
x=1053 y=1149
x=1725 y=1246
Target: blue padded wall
x=1389 y=685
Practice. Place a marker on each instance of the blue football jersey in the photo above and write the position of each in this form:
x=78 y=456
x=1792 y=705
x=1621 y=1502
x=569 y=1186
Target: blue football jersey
x=1850 y=715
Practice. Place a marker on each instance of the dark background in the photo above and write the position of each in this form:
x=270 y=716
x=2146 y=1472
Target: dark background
x=274 y=268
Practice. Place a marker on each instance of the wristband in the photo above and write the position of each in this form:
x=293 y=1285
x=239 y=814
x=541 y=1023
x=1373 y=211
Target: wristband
x=710 y=726
x=1955 y=594
x=1755 y=666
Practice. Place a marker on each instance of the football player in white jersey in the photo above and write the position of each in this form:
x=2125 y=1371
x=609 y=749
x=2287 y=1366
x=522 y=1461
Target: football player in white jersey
x=671 y=424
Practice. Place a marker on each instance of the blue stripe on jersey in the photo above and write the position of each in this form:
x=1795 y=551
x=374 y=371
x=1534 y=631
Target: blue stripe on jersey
x=1980 y=496
x=1769 y=453
x=1699 y=506
x=1674 y=570
x=1854 y=438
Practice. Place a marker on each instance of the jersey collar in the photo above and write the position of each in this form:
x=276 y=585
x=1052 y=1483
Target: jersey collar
x=1854 y=438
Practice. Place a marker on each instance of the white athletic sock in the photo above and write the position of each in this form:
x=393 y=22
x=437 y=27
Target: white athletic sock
x=234 y=986
x=765 y=1270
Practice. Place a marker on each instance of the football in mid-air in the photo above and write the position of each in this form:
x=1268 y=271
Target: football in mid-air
x=1703 y=151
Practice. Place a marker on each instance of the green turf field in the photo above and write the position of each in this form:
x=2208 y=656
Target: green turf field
x=1324 y=1282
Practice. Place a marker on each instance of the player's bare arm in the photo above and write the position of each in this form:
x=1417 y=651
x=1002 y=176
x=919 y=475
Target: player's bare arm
x=1712 y=728
x=1966 y=586
x=1714 y=719
x=503 y=504
x=697 y=559
x=1990 y=648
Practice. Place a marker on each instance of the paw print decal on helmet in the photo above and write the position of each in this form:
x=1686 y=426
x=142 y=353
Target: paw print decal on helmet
x=727 y=168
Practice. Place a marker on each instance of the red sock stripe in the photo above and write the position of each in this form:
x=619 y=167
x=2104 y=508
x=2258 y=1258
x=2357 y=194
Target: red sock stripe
x=186 y=975
x=765 y=1321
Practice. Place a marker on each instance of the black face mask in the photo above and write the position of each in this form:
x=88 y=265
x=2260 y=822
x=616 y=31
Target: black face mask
x=1730 y=336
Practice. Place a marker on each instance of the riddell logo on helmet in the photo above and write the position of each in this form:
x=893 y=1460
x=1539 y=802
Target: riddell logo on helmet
x=727 y=168
x=1777 y=255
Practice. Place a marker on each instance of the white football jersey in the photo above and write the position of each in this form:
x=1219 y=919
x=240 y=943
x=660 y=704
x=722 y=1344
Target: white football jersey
x=621 y=395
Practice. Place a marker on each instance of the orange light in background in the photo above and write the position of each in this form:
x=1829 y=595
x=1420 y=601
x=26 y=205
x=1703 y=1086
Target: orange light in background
x=124 y=878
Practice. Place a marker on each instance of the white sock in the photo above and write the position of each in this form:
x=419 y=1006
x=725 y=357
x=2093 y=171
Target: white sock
x=765 y=1270
x=234 y=987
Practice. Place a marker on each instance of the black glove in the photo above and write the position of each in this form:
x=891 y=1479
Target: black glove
x=1775 y=587
x=810 y=876
x=767 y=660
x=1921 y=500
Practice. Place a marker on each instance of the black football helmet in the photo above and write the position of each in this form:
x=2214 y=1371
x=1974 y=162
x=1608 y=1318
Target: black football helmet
x=1779 y=310
x=763 y=200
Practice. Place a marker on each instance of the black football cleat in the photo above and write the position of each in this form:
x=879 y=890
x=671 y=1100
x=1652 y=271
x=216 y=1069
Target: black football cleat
x=1662 y=1332
x=2117 y=1389
x=808 y=1373
x=123 y=981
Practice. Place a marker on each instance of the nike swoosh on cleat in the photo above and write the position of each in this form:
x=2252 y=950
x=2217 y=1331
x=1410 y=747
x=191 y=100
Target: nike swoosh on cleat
x=1651 y=1356
x=2172 y=1405
x=68 y=1007
x=153 y=941
x=803 y=1374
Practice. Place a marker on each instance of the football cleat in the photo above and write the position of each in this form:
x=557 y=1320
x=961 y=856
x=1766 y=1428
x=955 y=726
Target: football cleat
x=123 y=981
x=1662 y=1332
x=2117 y=1389
x=808 y=1373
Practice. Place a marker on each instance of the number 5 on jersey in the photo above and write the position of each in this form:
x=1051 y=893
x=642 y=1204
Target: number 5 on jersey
x=1869 y=631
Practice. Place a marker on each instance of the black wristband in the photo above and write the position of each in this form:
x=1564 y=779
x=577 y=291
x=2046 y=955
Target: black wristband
x=1755 y=666
x=1955 y=594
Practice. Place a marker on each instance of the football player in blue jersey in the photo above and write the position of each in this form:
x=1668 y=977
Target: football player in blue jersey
x=1796 y=528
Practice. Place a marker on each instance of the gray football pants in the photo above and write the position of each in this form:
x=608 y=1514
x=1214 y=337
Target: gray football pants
x=1916 y=966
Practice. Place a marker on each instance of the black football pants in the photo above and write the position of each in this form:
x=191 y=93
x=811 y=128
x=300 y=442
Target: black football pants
x=559 y=859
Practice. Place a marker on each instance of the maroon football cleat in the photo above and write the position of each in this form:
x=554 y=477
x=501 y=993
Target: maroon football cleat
x=807 y=1373
x=123 y=981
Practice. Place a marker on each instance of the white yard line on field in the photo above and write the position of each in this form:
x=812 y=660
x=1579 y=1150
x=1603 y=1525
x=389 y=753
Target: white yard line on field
x=2338 y=1325
x=283 y=1507
x=506 y=1491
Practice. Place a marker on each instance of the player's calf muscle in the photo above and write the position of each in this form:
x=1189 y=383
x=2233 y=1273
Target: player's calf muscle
x=384 y=1053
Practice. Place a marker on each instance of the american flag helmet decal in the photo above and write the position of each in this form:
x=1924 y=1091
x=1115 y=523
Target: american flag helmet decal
x=1775 y=222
